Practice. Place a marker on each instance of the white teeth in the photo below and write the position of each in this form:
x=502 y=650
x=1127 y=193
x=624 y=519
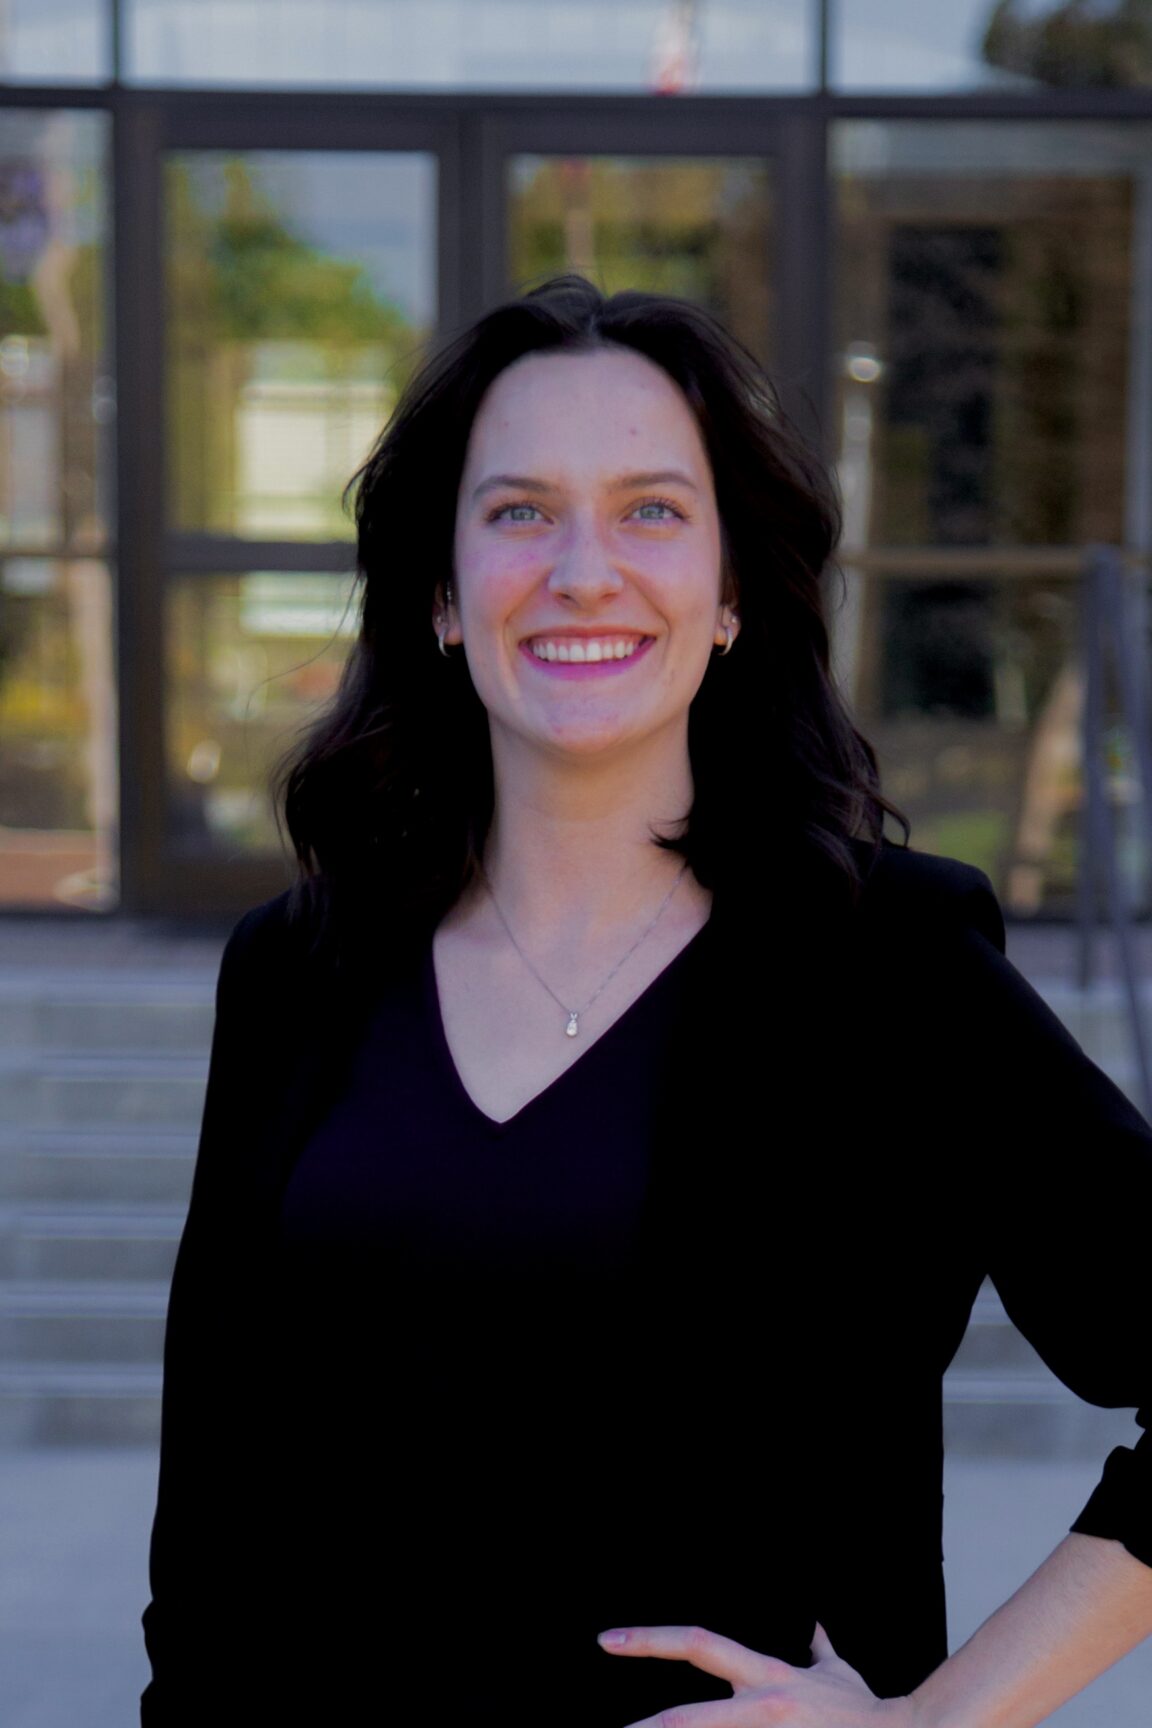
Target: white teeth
x=570 y=649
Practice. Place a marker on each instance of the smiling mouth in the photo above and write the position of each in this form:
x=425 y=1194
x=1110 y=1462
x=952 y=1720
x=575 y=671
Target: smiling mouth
x=584 y=650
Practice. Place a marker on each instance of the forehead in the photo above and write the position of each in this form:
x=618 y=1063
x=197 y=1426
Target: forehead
x=597 y=409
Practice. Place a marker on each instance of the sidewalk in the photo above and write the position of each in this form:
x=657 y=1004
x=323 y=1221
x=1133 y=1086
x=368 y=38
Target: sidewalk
x=74 y=1557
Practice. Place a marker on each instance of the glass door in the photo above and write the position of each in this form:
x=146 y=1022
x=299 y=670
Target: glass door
x=269 y=318
x=300 y=286
x=297 y=285
x=678 y=201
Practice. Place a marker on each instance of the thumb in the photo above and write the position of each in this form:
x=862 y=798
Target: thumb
x=822 y=1645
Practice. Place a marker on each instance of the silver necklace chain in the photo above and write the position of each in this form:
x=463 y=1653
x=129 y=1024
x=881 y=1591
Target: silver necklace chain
x=573 y=1025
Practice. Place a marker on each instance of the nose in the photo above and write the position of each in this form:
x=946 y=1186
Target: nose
x=584 y=571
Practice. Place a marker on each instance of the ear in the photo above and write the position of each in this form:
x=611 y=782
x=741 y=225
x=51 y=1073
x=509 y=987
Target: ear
x=727 y=618
x=445 y=616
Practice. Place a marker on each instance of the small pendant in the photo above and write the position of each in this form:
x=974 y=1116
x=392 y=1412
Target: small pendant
x=573 y=1025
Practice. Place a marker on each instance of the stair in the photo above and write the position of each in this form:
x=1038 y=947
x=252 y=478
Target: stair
x=101 y=1088
x=102 y=1073
x=1001 y=1400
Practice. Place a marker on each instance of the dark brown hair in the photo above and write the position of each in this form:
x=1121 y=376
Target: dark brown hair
x=387 y=797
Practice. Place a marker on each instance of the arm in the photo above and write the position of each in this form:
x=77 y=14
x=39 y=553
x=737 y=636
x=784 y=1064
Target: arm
x=1065 y=1192
x=1052 y=1195
x=1087 y=1605
x=196 y=1614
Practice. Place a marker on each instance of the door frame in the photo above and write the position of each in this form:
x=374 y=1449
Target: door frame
x=472 y=138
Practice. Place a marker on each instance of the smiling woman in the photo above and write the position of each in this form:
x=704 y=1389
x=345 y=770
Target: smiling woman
x=534 y=1286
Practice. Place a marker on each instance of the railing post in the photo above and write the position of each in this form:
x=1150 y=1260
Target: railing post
x=1103 y=617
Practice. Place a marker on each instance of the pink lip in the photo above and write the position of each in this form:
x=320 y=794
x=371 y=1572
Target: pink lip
x=586 y=668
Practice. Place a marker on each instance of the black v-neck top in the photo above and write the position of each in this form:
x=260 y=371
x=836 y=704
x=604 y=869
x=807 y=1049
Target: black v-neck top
x=454 y=1283
x=408 y=1170
x=445 y=1398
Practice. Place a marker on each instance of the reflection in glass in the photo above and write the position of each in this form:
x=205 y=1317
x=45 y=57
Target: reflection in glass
x=989 y=329
x=55 y=41
x=55 y=397
x=250 y=660
x=647 y=45
x=300 y=287
x=58 y=787
x=698 y=228
x=992 y=331
x=995 y=44
x=971 y=691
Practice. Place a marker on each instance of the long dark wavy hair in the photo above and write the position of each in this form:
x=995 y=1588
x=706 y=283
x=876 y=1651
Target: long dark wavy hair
x=388 y=796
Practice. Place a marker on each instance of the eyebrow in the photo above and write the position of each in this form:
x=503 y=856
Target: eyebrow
x=618 y=483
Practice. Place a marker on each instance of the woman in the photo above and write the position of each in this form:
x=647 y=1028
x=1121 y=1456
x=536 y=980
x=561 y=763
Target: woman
x=606 y=1139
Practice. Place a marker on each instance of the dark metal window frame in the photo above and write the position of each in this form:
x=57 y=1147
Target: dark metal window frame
x=472 y=139
x=472 y=135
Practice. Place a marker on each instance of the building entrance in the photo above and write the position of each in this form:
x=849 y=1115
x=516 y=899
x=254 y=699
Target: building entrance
x=280 y=267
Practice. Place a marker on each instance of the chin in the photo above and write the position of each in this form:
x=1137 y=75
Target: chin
x=591 y=744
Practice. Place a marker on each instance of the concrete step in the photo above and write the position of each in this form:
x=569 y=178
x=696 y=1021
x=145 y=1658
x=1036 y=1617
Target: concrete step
x=136 y=1166
x=82 y=1324
x=102 y=1076
x=81 y=1363
x=106 y=1013
x=99 y=1241
x=55 y=1404
x=992 y=1344
x=1099 y=1019
x=46 y=1090
x=1021 y=1417
x=118 y=1403
x=1001 y=1400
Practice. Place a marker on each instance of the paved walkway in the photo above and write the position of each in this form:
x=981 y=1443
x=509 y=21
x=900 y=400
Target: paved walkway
x=73 y=1580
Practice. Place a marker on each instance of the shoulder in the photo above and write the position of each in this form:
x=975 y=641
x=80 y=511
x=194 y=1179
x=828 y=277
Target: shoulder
x=262 y=927
x=920 y=894
x=268 y=946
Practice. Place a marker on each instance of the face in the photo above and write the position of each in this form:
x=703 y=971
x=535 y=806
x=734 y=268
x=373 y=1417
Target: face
x=587 y=589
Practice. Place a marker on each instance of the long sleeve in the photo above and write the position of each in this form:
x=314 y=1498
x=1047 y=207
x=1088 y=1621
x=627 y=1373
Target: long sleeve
x=195 y=1618
x=1063 y=1169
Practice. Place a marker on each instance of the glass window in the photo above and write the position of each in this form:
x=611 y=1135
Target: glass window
x=994 y=342
x=1008 y=45
x=300 y=288
x=55 y=393
x=56 y=41
x=250 y=659
x=696 y=227
x=58 y=785
x=58 y=799
x=648 y=45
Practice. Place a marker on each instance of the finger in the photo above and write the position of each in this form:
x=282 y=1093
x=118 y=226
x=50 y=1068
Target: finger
x=706 y=1650
x=822 y=1645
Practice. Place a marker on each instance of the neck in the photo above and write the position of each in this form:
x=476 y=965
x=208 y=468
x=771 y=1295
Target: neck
x=570 y=849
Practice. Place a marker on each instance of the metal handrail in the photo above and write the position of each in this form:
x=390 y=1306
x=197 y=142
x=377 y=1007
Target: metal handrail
x=930 y=561
x=1112 y=628
x=1113 y=634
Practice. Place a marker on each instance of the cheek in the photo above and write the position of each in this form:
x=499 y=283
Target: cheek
x=494 y=580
